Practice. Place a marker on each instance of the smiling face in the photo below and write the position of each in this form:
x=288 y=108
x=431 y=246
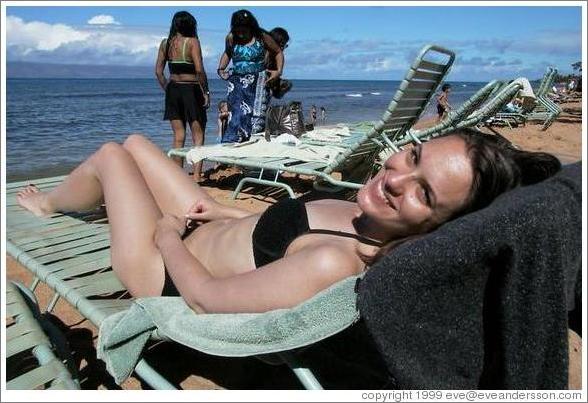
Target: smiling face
x=418 y=188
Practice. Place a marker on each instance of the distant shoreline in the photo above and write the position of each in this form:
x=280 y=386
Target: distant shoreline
x=55 y=71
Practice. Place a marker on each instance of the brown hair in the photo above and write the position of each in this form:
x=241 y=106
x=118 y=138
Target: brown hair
x=498 y=167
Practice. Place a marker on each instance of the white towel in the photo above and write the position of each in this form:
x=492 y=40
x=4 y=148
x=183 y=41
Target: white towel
x=332 y=134
x=527 y=90
x=262 y=148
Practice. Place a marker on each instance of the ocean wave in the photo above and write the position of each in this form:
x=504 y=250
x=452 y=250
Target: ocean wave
x=376 y=93
x=355 y=95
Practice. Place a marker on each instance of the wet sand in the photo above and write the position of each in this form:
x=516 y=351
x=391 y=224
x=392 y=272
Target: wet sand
x=192 y=370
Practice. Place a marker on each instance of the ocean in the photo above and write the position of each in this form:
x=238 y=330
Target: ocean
x=54 y=124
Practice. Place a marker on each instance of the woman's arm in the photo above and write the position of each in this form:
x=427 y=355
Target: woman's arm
x=208 y=209
x=222 y=66
x=281 y=284
x=160 y=65
x=196 y=53
x=219 y=123
x=225 y=58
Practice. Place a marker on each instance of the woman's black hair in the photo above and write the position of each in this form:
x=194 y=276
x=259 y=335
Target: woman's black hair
x=445 y=87
x=244 y=18
x=183 y=23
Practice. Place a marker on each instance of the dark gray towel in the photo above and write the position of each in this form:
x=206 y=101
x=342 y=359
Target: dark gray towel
x=483 y=301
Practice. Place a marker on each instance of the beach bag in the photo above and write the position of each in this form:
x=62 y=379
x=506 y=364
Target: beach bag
x=284 y=119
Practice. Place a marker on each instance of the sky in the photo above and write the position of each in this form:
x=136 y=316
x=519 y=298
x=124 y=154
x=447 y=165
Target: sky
x=369 y=43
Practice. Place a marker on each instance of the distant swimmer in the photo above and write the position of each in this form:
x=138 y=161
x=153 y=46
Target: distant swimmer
x=443 y=105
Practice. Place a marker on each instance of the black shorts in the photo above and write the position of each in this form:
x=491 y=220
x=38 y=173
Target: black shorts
x=440 y=109
x=169 y=288
x=185 y=102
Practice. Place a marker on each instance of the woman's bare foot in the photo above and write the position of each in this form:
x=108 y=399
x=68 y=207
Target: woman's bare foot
x=32 y=199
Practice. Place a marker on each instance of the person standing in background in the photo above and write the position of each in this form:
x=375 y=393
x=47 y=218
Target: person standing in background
x=248 y=95
x=186 y=92
x=323 y=115
x=224 y=116
x=443 y=106
x=313 y=114
x=279 y=87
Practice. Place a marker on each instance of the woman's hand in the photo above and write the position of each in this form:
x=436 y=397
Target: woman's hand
x=272 y=75
x=223 y=74
x=206 y=100
x=206 y=210
x=169 y=224
x=210 y=210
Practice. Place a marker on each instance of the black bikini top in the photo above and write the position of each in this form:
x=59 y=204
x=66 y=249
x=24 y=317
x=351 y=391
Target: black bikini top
x=283 y=222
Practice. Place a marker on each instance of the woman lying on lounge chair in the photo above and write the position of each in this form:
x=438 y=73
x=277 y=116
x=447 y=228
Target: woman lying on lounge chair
x=236 y=261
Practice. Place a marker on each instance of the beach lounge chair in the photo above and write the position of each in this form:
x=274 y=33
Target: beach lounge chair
x=29 y=334
x=460 y=114
x=546 y=105
x=355 y=158
x=479 y=117
x=544 y=110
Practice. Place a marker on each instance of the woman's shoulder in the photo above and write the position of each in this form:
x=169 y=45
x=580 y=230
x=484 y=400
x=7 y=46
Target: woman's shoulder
x=335 y=259
x=192 y=41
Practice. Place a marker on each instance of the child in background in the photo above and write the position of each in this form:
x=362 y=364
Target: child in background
x=323 y=115
x=313 y=115
x=280 y=86
x=224 y=115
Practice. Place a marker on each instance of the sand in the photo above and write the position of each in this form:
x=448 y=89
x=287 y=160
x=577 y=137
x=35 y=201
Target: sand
x=192 y=370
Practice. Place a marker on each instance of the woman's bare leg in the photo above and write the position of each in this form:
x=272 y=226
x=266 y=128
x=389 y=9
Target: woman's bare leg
x=198 y=139
x=80 y=191
x=179 y=129
x=112 y=174
x=171 y=187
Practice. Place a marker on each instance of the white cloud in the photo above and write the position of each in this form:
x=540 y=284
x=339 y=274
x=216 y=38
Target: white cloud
x=103 y=19
x=382 y=64
x=37 y=41
x=35 y=35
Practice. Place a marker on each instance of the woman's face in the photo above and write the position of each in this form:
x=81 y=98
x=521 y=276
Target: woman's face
x=418 y=188
x=243 y=33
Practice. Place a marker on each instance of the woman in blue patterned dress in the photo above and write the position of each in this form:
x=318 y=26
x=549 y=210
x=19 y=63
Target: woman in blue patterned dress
x=248 y=94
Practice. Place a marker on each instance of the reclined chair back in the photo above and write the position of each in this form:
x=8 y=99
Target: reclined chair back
x=455 y=117
x=410 y=101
